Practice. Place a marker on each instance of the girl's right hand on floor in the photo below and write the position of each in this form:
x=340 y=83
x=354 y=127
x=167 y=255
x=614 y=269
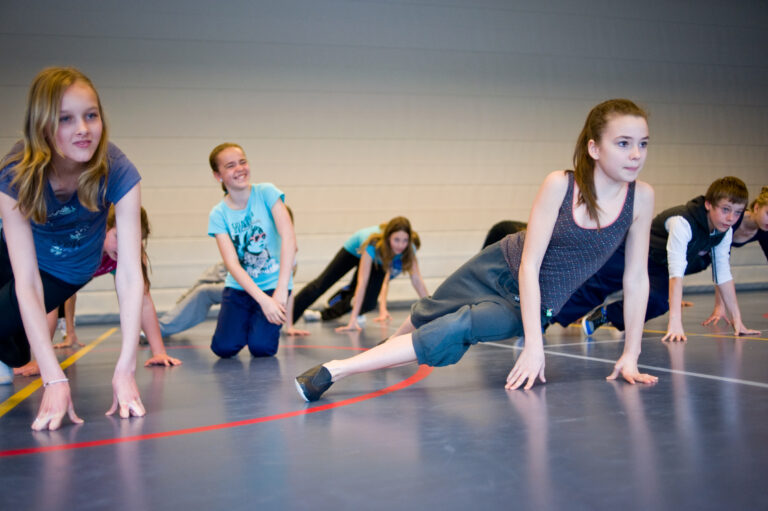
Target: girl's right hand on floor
x=352 y=326
x=162 y=359
x=70 y=341
x=675 y=332
x=57 y=401
x=627 y=367
x=529 y=365
x=273 y=311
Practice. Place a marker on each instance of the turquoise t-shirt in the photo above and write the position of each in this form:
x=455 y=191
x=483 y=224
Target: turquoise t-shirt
x=353 y=244
x=395 y=268
x=254 y=235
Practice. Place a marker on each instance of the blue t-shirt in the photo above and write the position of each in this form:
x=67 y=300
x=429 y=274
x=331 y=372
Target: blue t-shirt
x=395 y=267
x=254 y=234
x=70 y=242
x=355 y=242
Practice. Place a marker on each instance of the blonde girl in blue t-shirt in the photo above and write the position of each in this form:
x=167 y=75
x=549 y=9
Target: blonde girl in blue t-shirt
x=255 y=236
x=56 y=187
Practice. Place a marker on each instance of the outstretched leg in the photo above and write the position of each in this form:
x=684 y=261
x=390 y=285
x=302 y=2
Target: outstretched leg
x=396 y=352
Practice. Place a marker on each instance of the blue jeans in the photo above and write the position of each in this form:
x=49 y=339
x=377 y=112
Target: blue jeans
x=241 y=321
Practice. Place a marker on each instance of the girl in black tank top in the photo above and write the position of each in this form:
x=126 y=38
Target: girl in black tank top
x=610 y=152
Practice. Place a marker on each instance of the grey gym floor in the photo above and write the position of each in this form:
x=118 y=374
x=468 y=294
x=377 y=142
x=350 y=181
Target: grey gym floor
x=233 y=434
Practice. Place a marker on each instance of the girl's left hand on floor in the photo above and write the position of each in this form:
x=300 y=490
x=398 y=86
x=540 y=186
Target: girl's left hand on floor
x=351 y=327
x=630 y=372
x=125 y=397
x=162 y=360
x=295 y=331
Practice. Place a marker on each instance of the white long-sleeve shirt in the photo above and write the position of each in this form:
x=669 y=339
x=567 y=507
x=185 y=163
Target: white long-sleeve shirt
x=680 y=234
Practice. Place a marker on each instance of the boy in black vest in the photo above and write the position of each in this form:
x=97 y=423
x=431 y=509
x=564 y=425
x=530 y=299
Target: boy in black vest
x=686 y=239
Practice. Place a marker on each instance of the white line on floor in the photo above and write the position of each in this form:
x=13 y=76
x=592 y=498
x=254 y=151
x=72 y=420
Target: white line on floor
x=641 y=366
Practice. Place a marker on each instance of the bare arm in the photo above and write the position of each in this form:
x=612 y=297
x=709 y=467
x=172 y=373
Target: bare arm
x=287 y=250
x=290 y=329
x=130 y=289
x=635 y=283
x=530 y=363
x=151 y=329
x=417 y=281
x=383 y=311
x=728 y=295
x=363 y=274
x=57 y=399
x=675 y=331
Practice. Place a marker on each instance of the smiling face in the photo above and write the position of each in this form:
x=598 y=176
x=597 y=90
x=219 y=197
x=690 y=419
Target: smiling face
x=398 y=241
x=723 y=215
x=621 y=151
x=232 y=169
x=79 y=125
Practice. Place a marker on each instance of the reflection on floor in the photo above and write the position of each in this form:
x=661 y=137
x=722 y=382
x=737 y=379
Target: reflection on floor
x=233 y=434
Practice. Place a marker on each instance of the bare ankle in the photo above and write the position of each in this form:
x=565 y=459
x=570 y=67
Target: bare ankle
x=334 y=368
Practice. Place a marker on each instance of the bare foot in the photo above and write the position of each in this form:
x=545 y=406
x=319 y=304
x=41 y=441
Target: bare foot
x=28 y=369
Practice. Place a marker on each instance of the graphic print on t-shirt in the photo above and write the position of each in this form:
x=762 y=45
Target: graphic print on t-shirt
x=70 y=238
x=251 y=246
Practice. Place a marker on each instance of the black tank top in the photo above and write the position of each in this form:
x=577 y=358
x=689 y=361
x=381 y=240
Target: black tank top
x=574 y=253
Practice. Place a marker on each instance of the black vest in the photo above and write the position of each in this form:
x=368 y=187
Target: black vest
x=699 y=249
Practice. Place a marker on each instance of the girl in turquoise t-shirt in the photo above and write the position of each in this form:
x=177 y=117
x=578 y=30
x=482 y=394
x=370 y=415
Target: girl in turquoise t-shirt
x=255 y=236
x=378 y=254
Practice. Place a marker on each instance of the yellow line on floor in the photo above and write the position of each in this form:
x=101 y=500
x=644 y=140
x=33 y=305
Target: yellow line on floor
x=10 y=403
x=721 y=336
x=662 y=332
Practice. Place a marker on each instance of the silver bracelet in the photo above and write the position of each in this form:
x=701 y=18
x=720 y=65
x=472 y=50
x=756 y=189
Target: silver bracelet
x=60 y=380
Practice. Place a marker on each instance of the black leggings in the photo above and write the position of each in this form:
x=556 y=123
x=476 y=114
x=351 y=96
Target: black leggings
x=14 y=346
x=341 y=302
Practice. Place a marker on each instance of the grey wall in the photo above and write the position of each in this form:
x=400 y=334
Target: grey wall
x=448 y=112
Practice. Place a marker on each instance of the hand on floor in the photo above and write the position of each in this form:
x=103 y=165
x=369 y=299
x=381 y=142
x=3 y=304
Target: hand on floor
x=57 y=401
x=125 y=396
x=162 y=360
x=295 y=331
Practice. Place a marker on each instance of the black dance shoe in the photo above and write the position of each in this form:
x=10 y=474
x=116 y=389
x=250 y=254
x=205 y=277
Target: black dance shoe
x=312 y=383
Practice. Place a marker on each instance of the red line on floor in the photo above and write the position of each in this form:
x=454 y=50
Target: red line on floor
x=419 y=375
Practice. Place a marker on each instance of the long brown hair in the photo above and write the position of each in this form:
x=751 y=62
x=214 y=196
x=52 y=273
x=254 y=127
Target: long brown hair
x=145 y=231
x=583 y=164
x=32 y=161
x=380 y=242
